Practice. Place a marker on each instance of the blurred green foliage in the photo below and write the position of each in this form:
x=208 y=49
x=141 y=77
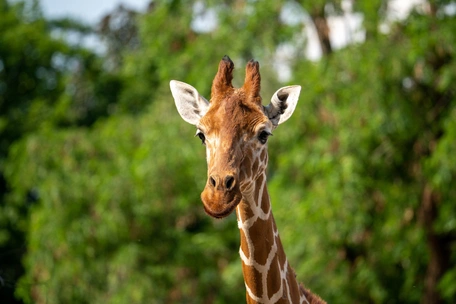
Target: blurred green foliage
x=100 y=178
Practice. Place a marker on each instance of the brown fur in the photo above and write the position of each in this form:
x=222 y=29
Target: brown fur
x=231 y=129
x=311 y=297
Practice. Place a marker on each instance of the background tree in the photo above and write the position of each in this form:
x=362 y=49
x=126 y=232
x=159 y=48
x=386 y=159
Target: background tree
x=29 y=86
x=46 y=82
x=366 y=163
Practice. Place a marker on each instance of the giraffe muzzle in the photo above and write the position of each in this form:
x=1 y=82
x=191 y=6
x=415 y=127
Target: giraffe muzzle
x=221 y=195
x=226 y=183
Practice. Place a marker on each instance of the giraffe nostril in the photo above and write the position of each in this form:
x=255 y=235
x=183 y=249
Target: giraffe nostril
x=212 y=181
x=229 y=182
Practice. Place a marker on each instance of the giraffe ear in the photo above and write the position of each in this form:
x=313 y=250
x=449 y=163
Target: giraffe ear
x=190 y=104
x=283 y=103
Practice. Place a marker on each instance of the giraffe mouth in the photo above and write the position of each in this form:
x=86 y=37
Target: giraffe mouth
x=221 y=207
x=219 y=215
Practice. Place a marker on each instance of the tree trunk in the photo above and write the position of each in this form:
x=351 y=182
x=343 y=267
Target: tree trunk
x=322 y=27
x=439 y=253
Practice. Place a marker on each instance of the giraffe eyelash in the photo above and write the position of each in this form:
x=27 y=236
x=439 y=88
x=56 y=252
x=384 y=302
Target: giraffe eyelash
x=201 y=136
x=263 y=136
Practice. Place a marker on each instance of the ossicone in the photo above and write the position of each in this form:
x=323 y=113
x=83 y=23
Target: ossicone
x=221 y=86
x=252 y=82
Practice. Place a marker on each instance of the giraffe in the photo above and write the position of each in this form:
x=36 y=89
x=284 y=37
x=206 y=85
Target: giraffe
x=235 y=128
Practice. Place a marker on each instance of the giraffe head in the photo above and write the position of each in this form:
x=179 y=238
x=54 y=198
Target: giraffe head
x=234 y=127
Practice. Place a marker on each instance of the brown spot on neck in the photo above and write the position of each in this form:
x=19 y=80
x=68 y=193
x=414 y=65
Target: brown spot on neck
x=262 y=238
x=253 y=279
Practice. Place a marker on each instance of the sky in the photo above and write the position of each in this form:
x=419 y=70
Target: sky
x=344 y=29
x=93 y=10
x=90 y=11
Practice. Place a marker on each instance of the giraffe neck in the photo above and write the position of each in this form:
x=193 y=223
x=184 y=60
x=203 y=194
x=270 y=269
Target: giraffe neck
x=268 y=276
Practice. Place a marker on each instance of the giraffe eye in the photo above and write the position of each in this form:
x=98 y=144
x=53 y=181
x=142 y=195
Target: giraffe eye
x=201 y=136
x=263 y=136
